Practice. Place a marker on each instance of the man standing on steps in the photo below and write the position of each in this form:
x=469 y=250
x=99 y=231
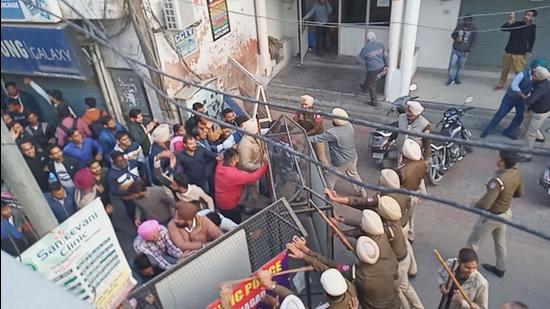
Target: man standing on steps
x=463 y=37
x=520 y=44
x=375 y=56
x=501 y=189
x=321 y=12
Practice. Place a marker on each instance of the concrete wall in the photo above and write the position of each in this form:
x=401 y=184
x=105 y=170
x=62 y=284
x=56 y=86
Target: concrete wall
x=352 y=39
x=435 y=44
x=93 y=9
x=282 y=22
x=210 y=58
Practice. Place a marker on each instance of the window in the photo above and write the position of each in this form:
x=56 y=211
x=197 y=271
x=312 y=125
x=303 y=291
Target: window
x=379 y=12
x=356 y=11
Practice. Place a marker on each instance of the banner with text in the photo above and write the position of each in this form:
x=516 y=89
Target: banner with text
x=219 y=18
x=186 y=42
x=83 y=256
x=248 y=294
x=36 y=11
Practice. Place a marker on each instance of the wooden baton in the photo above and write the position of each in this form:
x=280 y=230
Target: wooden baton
x=284 y=272
x=452 y=276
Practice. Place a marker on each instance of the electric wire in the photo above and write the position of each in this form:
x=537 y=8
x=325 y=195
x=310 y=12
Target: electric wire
x=287 y=147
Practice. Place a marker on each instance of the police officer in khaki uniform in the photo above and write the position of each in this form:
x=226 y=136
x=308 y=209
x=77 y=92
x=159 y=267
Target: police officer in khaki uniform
x=339 y=290
x=313 y=124
x=501 y=189
x=413 y=121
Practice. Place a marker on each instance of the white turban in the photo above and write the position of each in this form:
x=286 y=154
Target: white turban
x=371 y=223
x=389 y=208
x=307 y=100
x=333 y=282
x=415 y=107
x=342 y=113
x=367 y=250
x=541 y=73
x=389 y=178
x=371 y=36
x=250 y=126
x=292 y=302
x=161 y=134
x=411 y=150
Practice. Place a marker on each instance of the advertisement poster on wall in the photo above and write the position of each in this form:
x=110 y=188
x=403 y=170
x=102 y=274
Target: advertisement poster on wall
x=83 y=256
x=219 y=18
x=248 y=294
x=24 y=11
x=185 y=41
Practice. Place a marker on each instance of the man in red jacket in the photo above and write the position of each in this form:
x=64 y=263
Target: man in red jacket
x=229 y=183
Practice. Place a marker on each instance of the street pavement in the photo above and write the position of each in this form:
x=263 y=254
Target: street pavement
x=439 y=226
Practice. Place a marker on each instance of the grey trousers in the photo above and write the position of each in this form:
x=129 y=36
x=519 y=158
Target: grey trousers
x=485 y=226
x=533 y=129
x=371 y=83
x=350 y=169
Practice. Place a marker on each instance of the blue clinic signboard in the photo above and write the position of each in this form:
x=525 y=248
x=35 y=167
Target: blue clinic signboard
x=46 y=51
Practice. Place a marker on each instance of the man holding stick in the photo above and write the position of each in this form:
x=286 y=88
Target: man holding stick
x=472 y=282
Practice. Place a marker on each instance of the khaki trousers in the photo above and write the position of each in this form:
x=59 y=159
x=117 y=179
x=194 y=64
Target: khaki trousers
x=525 y=125
x=407 y=293
x=319 y=149
x=535 y=122
x=415 y=201
x=511 y=62
x=485 y=226
x=350 y=169
x=413 y=268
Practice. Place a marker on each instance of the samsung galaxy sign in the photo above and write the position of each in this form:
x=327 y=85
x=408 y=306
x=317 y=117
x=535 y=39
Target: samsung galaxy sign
x=40 y=51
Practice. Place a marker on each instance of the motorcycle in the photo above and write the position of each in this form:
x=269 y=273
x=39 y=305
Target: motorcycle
x=545 y=179
x=382 y=143
x=446 y=154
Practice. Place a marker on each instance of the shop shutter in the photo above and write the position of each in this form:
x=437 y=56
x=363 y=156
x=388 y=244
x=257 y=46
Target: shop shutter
x=489 y=47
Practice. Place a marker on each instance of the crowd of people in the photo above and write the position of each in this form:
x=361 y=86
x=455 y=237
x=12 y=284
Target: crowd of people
x=182 y=186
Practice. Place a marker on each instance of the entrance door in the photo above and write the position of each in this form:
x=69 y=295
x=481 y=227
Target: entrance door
x=308 y=32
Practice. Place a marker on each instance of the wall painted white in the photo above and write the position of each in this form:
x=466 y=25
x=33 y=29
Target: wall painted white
x=435 y=44
x=282 y=22
x=93 y=9
x=352 y=39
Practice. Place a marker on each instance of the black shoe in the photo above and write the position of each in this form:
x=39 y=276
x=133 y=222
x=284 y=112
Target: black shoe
x=373 y=104
x=483 y=134
x=510 y=136
x=524 y=160
x=539 y=140
x=458 y=82
x=499 y=273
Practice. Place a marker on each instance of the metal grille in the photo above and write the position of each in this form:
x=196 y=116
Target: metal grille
x=252 y=244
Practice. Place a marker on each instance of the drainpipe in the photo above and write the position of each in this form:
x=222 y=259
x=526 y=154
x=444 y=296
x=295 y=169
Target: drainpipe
x=410 y=29
x=393 y=86
x=263 y=39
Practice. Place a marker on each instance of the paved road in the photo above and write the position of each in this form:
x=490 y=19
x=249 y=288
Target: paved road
x=442 y=227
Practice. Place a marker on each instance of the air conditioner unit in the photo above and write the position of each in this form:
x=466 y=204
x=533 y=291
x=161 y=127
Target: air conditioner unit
x=177 y=14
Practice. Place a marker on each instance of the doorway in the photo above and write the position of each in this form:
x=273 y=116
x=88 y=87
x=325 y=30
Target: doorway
x=310 y=36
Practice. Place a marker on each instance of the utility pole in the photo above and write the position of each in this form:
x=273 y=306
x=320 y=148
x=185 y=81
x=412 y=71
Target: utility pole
x=18 y=177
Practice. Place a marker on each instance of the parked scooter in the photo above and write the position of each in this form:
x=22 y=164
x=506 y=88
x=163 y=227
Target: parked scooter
x=381 y=144
x=445 y=154
x=545 y=179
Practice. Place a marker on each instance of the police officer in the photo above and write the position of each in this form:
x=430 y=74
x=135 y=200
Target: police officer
x=505 y=185
x=413 y=121
x=313 y=124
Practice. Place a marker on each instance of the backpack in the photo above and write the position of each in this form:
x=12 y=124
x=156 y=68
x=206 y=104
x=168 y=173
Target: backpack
x=65 y=129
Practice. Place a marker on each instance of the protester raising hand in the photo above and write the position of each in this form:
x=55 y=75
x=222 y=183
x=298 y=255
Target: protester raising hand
x=294 y=251
x=300 y=243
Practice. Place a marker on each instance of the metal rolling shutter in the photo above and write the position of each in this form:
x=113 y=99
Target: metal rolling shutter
x=489 y=47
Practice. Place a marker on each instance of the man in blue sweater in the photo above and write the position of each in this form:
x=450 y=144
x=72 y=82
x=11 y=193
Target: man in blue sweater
x=375 y=57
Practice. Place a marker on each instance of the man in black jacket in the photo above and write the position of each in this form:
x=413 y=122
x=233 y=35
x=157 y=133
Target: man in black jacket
x=538 y=106
x=520 y=44
x=63 y=167
x=42 y=133
x=37 y=162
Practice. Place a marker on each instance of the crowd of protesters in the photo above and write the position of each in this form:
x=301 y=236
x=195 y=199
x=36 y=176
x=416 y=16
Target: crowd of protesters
x=182 y=186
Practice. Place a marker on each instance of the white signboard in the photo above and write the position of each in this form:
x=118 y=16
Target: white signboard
x=30 y=11
x=185 y=41
x=83 y=256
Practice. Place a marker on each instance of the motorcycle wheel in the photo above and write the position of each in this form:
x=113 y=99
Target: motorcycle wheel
x=433 y=170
